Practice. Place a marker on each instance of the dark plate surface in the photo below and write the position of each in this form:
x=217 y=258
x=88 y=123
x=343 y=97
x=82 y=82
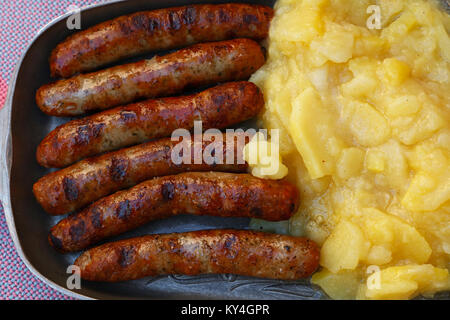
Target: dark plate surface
x=29 y=224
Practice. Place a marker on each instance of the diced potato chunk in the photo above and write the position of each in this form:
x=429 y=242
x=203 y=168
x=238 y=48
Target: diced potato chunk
x=402 y=282
x=311 y=129
x=341 y=286
x=336 y=46
x=344 y=247
x=360 y=86
x=427 y=193
x=403 y=106
x=400 y=27
x=379 y=255
x=271 y=122
x=375 y=160
x=303 y=23
x=368 y=126
x=373 y=44
x=396 y=71
x=427 y=121
x=350 y=163
x=405 y=242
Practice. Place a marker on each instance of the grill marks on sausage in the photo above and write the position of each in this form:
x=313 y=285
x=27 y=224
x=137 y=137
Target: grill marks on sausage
x=96 y=218
x=189 y=15
x=118 y=169
x=251 y=18
x=140 y=21
x=125 y=28
x=229 y=246
x=128 y=116
x=86 y=133
x=223 y=16
x=55 y=241
x=177 y=18
x=124 y=210
x=174 y=20
x=70 y=189
x=77 y=230
x=168 y=191
x=126 y=256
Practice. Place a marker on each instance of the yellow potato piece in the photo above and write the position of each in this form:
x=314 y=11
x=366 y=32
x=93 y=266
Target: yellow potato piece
x=396 y=71
x=374 y=160
x=403 y=106
x=403 y=282
x=341 y=286
x=311 y=129
x=427 y=193
x=350 y=163
x=344 y=248
x=367 y=125
x=403 y=240
x=336 y=46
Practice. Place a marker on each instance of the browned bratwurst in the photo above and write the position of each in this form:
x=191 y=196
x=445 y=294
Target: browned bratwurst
x=76 y=186
x=162 y=29
x=199 y=193
x=218 y=107
x=201 y=64
x=242 y=252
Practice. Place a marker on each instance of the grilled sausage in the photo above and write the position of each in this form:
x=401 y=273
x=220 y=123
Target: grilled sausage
x=162 y=29
x=76 y=186
x=199 y=193
x=201 y=64
x=240 y=252
x=217 y=107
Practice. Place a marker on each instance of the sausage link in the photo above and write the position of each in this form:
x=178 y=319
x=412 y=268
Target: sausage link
x=218 y=107
x=162 y=29
x=199 y=65
x=76 y=186
x=240 y=252
x=198 y=193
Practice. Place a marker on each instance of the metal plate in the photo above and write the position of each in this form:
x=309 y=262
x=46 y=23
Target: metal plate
x=22 y=121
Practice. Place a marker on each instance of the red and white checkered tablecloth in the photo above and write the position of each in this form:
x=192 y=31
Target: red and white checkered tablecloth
x=19 y=22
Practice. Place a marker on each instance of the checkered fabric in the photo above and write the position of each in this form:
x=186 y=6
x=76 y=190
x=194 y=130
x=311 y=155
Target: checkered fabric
x=19 y=22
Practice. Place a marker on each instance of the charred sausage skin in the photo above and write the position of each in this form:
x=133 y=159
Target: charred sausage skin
x=161 y=29
x=240 y=252
x=74 y=187
x=198 y=193
x=195 y=66
x=217 y=107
